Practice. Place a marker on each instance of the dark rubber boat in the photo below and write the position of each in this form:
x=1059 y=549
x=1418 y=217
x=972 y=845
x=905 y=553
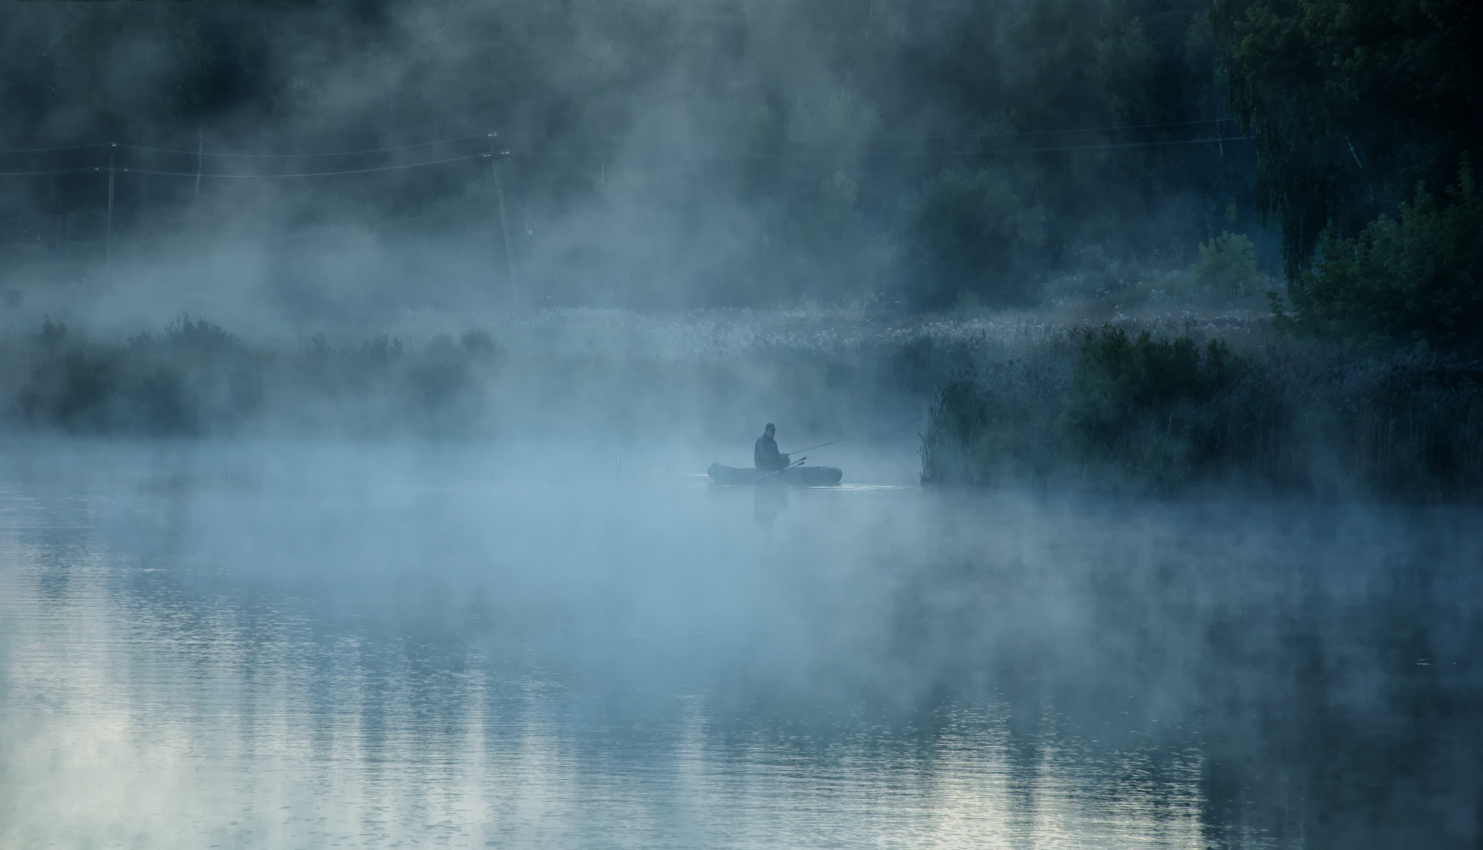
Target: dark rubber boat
x=798 y=476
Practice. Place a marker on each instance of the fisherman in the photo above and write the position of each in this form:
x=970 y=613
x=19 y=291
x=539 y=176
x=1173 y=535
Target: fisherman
x=765 y=454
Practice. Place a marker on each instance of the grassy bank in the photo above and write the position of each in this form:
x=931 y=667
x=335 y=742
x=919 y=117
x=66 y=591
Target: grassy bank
x=1165 y=412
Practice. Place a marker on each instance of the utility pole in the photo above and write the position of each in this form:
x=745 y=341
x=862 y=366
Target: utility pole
x=198 y=161
x=54 y=206
x=504 y=222
x=108 y=239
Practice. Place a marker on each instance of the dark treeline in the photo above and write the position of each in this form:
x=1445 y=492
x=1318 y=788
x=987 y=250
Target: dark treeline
x=1368 y=116
x=671 y=152
x=688 y=153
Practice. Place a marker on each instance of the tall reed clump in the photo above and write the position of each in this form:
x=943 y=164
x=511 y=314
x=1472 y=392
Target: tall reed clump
x=1168 y=412
x=998 y=422
x=1410 y=423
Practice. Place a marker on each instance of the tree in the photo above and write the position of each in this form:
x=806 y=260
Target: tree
x=969 y=231
x=1419 y=279
x=1352 y=102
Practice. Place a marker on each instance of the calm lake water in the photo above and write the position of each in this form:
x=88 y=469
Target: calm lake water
x=316 y=645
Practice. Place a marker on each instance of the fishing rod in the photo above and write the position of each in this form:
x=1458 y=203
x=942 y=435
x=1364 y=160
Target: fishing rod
x=811 y=448
x=794 y=465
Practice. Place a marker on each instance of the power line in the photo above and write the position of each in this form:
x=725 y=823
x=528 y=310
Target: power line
x=898 y=154
x=248 y=155
x=98 y=169
x=88 y=170
x=1105 y=146
x=700 y=158
x=49 y=150
x=301 y=155
x=1075 y=130
x=532 y=135
x=930 y=138
x=302 y=173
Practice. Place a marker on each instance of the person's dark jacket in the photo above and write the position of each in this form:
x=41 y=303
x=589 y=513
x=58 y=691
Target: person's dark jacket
x=765 y=454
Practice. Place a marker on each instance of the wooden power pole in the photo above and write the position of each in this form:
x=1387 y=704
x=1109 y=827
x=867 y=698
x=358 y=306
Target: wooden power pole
x=108 y=238
x=504 y=221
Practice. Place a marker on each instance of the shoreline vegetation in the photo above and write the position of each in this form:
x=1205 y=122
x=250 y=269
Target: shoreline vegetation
x=1160 y=413
x=568 y=373
x=1157 y=407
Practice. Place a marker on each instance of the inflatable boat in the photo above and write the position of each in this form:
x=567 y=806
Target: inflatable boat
x=799 y=476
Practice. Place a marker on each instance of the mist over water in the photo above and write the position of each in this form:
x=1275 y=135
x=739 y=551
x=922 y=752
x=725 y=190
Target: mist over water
x=294 y=644
x=361 y=362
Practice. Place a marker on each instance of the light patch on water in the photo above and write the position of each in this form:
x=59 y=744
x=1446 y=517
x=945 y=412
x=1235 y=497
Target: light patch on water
x=415 y=647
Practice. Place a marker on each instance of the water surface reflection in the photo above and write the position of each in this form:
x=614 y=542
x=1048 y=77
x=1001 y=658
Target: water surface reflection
x=300 y=646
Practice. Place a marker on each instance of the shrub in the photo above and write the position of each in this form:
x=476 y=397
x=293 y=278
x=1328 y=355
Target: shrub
x=1418 y=280
x=1164 y=407
x=1167 y=412
x=1228 y=265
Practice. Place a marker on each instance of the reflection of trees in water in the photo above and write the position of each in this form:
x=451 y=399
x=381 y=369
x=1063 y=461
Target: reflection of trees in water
x=1324 y=677
x=1289 y=676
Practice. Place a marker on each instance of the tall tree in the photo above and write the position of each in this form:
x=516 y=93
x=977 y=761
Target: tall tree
x=1353 y=102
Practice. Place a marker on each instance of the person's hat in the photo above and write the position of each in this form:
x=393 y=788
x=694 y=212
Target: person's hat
x=770 y=427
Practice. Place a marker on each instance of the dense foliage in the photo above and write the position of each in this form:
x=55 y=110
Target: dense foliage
x=1355 y=103
x=1227 y=265
x=1107 y=408
x=1417 y=280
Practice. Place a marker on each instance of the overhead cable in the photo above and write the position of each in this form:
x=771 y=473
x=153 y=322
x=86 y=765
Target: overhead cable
x=246 y=155
x=301 y=173
x=185 y=152
x=49 y=150
x=895 y=154
x=1052 y=132
x=88 y=170
x=1103 y=146
x=698 y=157
x=302 y=155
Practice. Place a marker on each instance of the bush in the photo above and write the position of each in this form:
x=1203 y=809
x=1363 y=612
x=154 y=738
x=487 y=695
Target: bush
x=1164 y=408
x=1228 y=265
x=1167 y=412
x=1416 y=281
